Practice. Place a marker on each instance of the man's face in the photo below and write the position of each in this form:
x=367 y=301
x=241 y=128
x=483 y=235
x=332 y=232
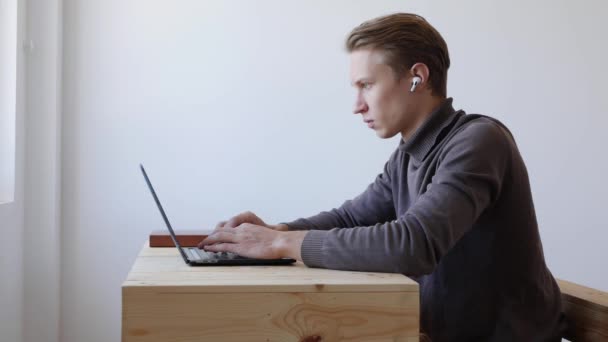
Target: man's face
x=383 y=100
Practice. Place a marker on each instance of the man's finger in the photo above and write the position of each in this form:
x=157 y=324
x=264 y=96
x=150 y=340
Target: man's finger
x=221 y=247
x=233 y=222
x=241 y=218
x=218 y=237
x=220 y=225
x=245 y=227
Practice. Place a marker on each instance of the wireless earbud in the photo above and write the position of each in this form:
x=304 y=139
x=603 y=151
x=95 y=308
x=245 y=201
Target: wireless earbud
x=415 y=81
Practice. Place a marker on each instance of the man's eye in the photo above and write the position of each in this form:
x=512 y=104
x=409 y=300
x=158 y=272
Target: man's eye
x=366 y=85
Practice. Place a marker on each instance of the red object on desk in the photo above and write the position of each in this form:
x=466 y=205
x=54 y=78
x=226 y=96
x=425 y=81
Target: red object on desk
x=186 y=238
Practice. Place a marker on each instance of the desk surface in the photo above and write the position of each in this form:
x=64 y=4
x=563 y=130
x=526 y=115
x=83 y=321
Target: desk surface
x=165 y=267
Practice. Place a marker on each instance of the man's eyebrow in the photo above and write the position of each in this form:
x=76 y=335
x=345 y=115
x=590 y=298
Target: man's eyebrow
x=360 y=81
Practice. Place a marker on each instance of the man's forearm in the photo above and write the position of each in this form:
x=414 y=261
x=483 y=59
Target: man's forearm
x=289 y=244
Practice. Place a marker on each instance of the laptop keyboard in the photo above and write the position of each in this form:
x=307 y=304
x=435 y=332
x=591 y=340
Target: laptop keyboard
x=200 y=254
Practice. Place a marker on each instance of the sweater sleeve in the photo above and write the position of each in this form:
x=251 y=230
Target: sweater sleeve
x=374 y=205
x=468 y=180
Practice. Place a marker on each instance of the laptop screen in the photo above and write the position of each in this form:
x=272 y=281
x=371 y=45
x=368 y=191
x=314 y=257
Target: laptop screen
x=162 y=212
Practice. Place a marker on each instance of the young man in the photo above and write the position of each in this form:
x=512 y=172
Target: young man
x=453 y=208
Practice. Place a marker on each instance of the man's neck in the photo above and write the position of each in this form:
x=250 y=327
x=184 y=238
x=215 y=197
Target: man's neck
x=426 y=109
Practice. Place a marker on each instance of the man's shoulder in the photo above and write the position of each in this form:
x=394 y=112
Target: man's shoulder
x=479 y=137
x=482 y=129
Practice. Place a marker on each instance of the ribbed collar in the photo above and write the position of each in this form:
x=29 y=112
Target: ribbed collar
x=421 y=142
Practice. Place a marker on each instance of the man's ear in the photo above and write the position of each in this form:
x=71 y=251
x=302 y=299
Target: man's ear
x=421 y=71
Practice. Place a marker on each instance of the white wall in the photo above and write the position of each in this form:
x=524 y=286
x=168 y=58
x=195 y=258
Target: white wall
x=8 y=77
x=11 y=213
x=42 y=171
x=236 y=106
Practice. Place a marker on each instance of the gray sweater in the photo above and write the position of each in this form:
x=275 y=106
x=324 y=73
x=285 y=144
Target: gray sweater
x=453 y=210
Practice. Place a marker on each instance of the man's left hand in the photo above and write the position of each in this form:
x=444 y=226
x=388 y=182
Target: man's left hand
x=253 y=241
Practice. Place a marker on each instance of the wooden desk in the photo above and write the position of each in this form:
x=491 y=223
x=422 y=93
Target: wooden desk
x=163 y=299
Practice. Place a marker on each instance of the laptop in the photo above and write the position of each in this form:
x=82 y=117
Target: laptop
x=198 y=257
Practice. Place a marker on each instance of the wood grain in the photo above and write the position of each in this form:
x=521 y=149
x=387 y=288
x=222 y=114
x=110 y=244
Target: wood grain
x=166 y=300
x=586 y=310
x=164 y=267
x=152 y=314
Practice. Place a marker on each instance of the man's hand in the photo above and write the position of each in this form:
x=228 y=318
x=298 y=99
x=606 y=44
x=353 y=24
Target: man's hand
x=248 y=217
x=255 y=241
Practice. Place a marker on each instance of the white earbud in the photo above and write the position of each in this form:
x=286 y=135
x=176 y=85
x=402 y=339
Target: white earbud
x=415 y=81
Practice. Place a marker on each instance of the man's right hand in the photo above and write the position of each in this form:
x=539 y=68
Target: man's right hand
x=248 y=217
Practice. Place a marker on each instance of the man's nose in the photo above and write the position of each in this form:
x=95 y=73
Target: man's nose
x=360 y=107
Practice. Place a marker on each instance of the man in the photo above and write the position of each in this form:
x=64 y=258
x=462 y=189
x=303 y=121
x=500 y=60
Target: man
x=453 y=208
